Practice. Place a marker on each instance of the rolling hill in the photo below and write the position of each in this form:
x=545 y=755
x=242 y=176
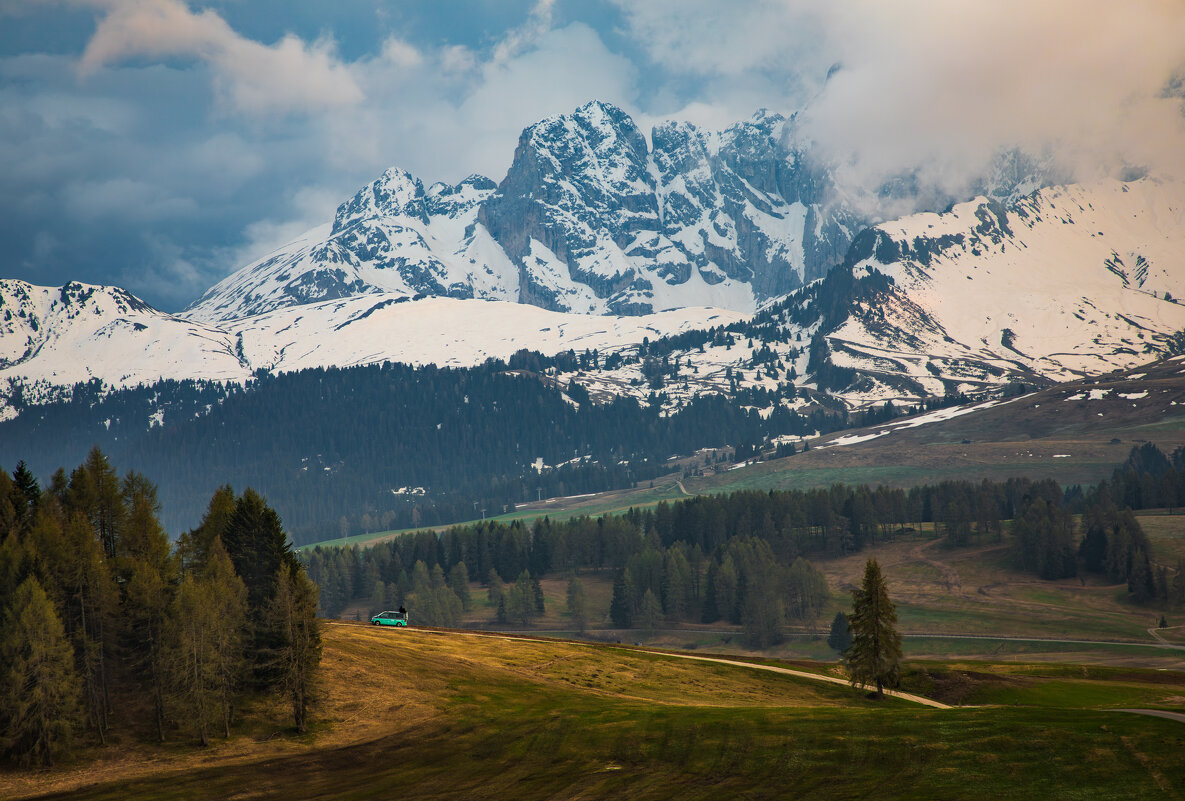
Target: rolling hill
x=442 y=715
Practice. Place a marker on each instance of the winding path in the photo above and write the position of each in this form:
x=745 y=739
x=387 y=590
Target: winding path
x=1156 y=713
x=802 y=674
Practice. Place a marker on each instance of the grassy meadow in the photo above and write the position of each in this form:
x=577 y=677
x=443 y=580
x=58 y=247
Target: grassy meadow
x=426 y=715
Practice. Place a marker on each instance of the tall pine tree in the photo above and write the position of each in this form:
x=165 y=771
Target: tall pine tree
x=875 y=653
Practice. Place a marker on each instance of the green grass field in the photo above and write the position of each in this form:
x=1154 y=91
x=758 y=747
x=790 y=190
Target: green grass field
x=415 y=714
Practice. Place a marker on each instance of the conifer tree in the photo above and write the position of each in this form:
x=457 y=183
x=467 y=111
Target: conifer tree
x=189 y=660
x=258 y=546
x=298 y=655
x=649 y=612
x=193 y=546
x=726 y=588
x=496 y=592
x=875 y=653
x=621 y=607
x=91 y=602
x=206 y=654
x=94 y=490
x=840 y=636
x=149 y=575
x=25 y=494
x=806 y=590
x=577 y=604
x=537 y=596
x=38 y=686
x=229 y=642
x=520 y=600
x=458 y=580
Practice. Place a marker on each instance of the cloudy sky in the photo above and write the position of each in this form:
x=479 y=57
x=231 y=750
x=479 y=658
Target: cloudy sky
x=161 y=144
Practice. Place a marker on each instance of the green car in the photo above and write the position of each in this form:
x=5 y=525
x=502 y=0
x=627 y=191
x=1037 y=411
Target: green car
x=390 y=619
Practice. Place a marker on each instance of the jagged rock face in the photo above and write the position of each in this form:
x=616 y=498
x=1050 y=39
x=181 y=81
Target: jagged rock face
x=738 y=209
x=579 y=187
x=591 y=218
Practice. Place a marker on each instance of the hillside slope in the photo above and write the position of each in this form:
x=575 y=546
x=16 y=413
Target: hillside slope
x=1067 y=282
x=53 y=338
x=415 y=714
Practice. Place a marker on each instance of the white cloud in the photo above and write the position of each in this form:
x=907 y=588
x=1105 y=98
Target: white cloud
x=401 y=54
x=944 y=86
x=290 y=75
x=515 y=41
x=460 y=112
x=309 y=207
x=938 y=87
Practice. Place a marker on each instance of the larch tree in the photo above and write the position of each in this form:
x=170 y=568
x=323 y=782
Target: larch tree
x=92 y=598
x=621 y=607
x=874 y=656
x=520 y=600
x=94 y=490
x=194 y=546
x=206 y=647
x=298 y=655
x=189 y=659
x=496 y=593
x=458 y=580
x=38 y=684
x=229 y=641
x=649 y=612
x=148 y=573
x=577 y=604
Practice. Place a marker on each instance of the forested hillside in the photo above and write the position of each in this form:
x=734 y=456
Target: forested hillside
x=405 y=446
x=743 y=558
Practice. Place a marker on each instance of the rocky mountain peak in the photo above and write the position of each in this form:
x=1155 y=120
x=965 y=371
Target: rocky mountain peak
x=395 y=192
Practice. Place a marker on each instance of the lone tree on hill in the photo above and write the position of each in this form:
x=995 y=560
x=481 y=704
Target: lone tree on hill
x=875 y=652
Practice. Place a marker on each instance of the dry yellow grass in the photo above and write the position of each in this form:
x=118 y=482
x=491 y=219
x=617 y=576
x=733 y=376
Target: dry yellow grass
x=379 y=681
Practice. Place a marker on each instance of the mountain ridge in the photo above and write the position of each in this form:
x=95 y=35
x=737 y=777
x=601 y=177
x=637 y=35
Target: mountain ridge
x=590 y=218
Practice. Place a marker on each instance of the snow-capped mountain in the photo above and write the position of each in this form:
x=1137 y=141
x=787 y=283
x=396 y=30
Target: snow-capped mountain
x=1068 y=281
x=590 y=218
x=593 y=217
x=598 y=221
x=595 y=227
x=53 y=338
x=61 y=336
x=392 y=236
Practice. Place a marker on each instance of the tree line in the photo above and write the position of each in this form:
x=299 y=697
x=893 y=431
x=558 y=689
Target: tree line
x=711 y=557
x=99 y=613
x=332 y=447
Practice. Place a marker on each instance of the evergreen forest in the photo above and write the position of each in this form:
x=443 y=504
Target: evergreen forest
x=744 y=557
x=109 y=631
x=398 y=445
